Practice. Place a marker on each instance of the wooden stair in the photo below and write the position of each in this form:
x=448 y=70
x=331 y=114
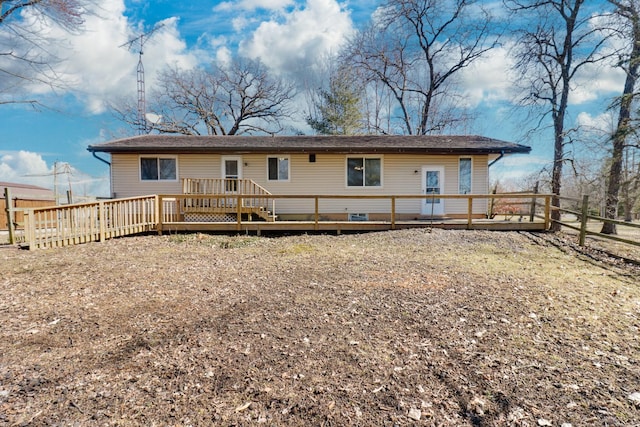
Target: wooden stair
x=220 y=196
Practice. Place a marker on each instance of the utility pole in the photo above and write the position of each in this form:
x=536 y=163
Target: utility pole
x=142 y=103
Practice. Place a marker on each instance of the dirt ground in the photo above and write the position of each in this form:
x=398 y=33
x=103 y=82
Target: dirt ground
x=412 y=327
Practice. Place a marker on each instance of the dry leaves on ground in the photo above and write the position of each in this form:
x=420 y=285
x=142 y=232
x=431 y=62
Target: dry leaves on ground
x=412 y=327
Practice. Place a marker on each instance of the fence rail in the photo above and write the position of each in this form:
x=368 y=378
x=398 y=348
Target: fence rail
x=580 y=208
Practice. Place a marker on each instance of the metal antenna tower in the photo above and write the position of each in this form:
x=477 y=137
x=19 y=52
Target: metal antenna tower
x=142 y=103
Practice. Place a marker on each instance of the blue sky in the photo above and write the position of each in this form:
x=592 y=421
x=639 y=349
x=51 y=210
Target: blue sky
x=285 y=34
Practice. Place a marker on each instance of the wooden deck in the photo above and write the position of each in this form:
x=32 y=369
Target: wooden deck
x=259 y=227
x=98 y=221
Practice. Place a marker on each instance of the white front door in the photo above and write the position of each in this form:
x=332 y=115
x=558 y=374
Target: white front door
x=231 y=172
x=432 y=185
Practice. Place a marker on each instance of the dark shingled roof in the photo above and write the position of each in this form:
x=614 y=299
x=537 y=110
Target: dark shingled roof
x=361 y=144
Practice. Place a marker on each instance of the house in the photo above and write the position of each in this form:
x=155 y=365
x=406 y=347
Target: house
x=354 y=166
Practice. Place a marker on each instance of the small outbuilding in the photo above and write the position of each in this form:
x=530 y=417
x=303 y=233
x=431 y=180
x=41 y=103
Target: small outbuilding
x=23 y=196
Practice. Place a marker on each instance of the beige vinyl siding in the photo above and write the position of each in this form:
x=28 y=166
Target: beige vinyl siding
x=125 y=171
x=401 y=174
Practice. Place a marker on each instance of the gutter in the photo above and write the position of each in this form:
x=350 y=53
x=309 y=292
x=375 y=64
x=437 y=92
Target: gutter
x=100 y=158
x=490 y=164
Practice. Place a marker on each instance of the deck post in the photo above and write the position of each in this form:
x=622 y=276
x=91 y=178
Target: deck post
x=30 y=229
x=469 y=212
x=583 y=219
x=393 y=213
x=532 y=214
x=10 y=215
x=159 y=213
x=102 y=214
x=239 y=210
x=316 y=214
x=156 y=218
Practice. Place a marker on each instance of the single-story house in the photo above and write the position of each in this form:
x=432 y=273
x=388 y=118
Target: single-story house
x=314 y=165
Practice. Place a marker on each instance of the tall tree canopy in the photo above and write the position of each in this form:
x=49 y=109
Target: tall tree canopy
x=241 y=97
x=338 y=109
x=414 y=50
x=627 y=25
x=557 y=40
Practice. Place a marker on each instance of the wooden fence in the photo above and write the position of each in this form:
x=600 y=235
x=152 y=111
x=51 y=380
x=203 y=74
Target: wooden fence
x=584 y=215
x=18 y=204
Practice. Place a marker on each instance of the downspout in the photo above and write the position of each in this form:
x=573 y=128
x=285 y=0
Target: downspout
x=109 y=163
x=492 y=201
x=490 y=164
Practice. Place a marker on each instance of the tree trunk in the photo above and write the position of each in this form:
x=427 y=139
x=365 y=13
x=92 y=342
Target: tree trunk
x=556 y=180
x=613 y=187
x=624 y=121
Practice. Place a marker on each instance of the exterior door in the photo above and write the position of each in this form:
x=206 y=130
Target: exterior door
x=432 y=185
x=231 y=172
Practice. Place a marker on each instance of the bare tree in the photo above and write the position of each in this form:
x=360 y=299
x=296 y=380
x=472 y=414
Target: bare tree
x=557 y=41
x=238 y=98
x=416 y=49
x=628 y=16
x=24 y=55
x=630 y=182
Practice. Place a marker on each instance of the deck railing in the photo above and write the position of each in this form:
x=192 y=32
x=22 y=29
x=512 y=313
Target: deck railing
x=225 y=190
x=87 y=222
x=539 y=203
x=98 y=221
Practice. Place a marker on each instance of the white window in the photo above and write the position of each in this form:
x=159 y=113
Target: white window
x=278 y=168
x=158 y=168
x=464 y=175
x=364 y=172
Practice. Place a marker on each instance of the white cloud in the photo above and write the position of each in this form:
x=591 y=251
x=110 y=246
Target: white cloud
x=223 y=55
x=251 y=5
x=594 y=82
x=303 y=35
x=489 y=79
x=514 y=169
x=601 y=124
x=240 y=23
x=94 y=64
x=20 y=166
x=26 y=167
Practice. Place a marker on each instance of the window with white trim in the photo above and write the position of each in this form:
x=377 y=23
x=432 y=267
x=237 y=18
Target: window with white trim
x=364 y=172
x=464 y=175
x=278 y=168
x=158 y=168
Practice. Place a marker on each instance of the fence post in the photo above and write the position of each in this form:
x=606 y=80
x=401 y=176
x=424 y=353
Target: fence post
x=547 y=212
x=583 y=220
x=10 y=215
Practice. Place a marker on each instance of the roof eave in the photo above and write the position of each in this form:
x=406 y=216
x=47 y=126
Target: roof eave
x=341 y=150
